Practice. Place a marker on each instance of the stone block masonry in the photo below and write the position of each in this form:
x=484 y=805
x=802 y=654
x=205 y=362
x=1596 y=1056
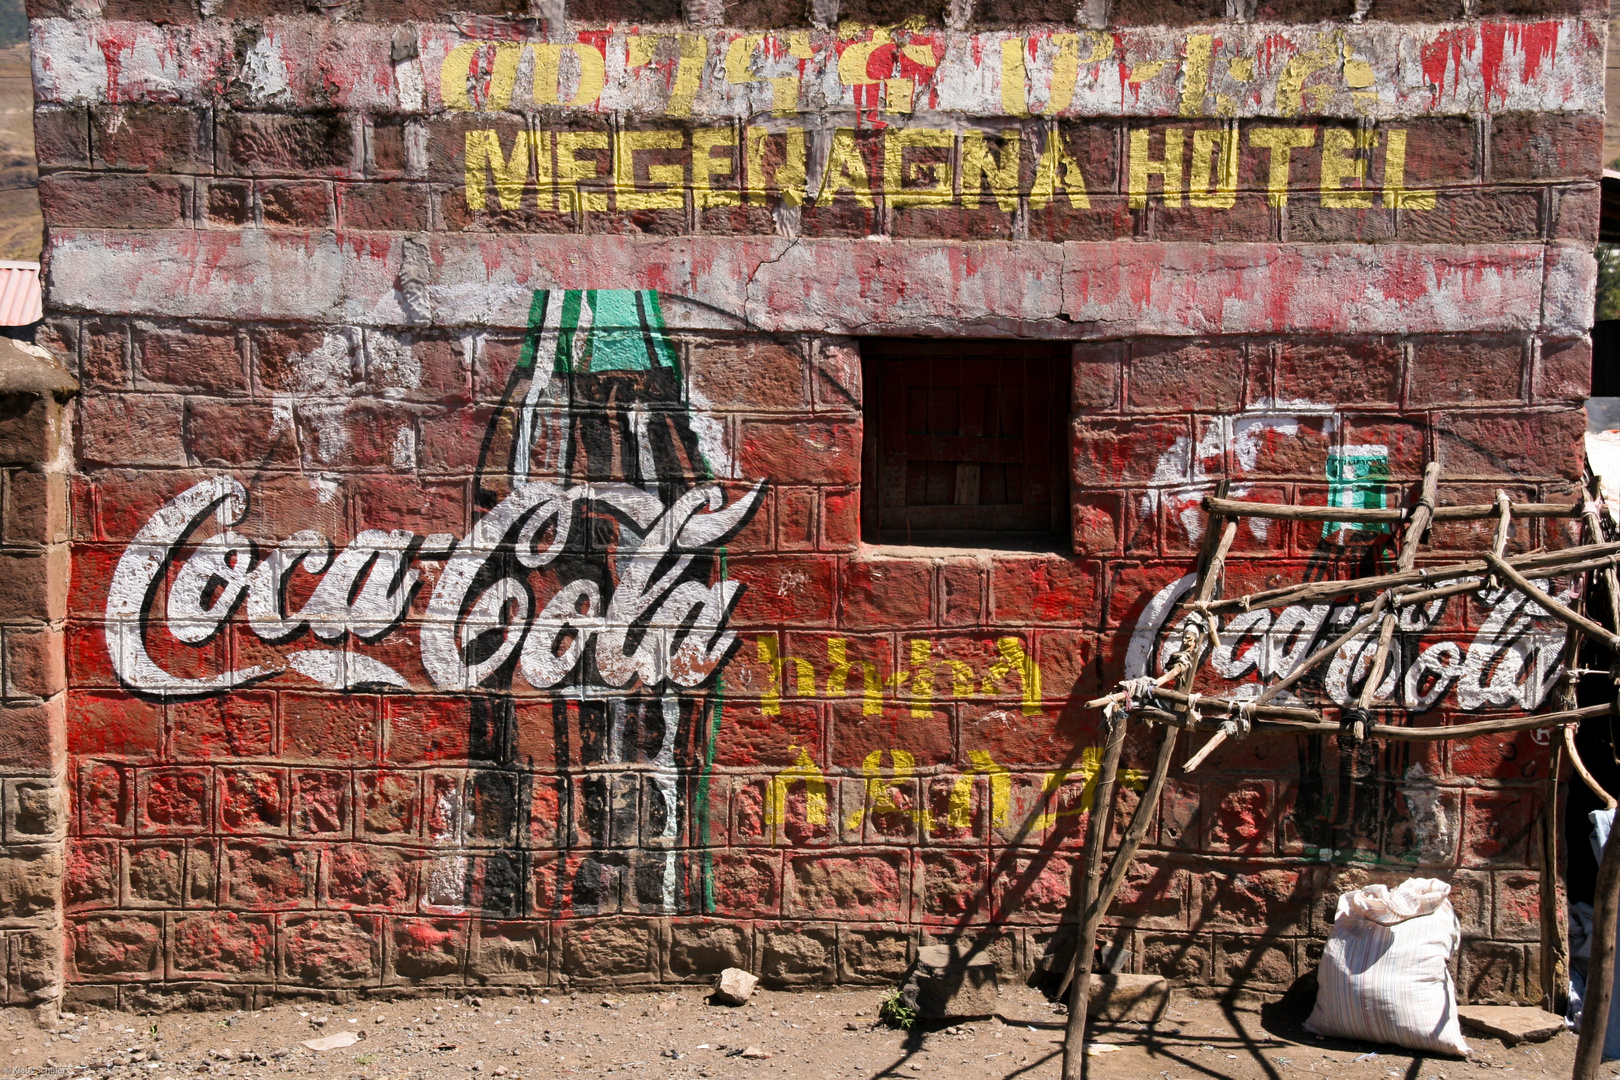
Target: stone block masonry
x=35 y=467
x=455 y=572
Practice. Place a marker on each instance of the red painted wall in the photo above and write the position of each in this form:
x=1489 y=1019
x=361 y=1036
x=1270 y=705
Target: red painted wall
x=303 y=266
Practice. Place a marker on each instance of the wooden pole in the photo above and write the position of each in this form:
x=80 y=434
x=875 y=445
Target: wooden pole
x=1409 y=597
x=1093 y=905
x=1606 y=891
x=1416 y=587
x=1611 y=578
x=1074 y=1036
x=1140 y=820
x=1600 y=967
x=1554 y=959
x=1563 y=614
x=1372 y=515
x=1416 y=526
x=1551 y=561
x=1581 y=770
x=1304 y=667
x=1504 y=528
x=1230 y=707
x=1399 y=732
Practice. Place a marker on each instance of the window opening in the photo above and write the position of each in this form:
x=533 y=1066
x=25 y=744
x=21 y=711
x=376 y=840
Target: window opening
x=964 y=444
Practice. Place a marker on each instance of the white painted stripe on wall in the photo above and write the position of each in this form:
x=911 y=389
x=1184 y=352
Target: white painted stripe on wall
x=1378 y=70
x=1072 y=290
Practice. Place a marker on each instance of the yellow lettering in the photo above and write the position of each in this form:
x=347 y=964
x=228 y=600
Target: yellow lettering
x=1057 y=173
x=1065 y=72
x=694 y=53
x=804 y=682
x=1015 y=661
x=1343 y=164
x=785 y=89
x=1014 y=97
x=880 y=789
x=548 y=74
x=789 y=179
x=668 y=179
x=456 y=74
x=979 y=166
x=838 y=672
x=1195 y=74
x=958 y=811
x=456 y=77
x=739 y=68
x=1396 y=196
x=922 y=678
x=1291 y=89
x=484 y=158
x=846 y=169
x=1208 y=187
x=740 y=58
x=853 y=71
x=705 y=166
x=771 y=700
x=1090 y=767
x=936 y=176
x=1281 y=141
x=1170 y=167
x=815 y=792
x=639 y=49
x=571 y=168
x=1050 y=783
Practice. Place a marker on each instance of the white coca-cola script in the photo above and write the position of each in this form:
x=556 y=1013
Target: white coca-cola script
x=1513 y=660
x=658 y=620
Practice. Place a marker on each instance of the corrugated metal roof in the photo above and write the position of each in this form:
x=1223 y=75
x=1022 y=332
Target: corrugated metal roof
x=19 y=293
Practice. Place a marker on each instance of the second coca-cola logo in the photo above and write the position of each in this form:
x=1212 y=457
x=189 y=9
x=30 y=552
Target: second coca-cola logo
x=1512 y=661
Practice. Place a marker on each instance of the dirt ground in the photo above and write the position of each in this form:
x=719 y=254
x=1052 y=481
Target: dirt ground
x=830 y=1035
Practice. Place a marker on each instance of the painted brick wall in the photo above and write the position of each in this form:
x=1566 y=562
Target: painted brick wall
x=466 y=575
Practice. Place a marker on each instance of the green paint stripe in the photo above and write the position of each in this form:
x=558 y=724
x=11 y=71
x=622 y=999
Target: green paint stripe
x=572 y=301
x=537 y=321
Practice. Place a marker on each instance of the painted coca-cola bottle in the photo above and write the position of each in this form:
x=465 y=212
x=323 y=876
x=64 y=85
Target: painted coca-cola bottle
x=593 y=582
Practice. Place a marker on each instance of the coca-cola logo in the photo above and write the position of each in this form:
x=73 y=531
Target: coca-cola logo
x=1511 y=661
x=648 y=615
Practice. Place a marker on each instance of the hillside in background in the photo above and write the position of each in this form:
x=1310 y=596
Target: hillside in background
x=21 y=227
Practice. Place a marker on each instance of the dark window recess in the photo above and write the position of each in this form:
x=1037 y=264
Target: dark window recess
x=964 y=444
x=1606 y=359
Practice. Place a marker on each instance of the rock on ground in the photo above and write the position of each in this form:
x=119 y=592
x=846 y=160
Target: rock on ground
x=734 y=987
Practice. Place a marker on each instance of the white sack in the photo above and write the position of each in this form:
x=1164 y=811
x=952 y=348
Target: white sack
x=1384 y=975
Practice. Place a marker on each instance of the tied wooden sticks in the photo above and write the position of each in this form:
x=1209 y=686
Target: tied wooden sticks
x=1152 y=699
